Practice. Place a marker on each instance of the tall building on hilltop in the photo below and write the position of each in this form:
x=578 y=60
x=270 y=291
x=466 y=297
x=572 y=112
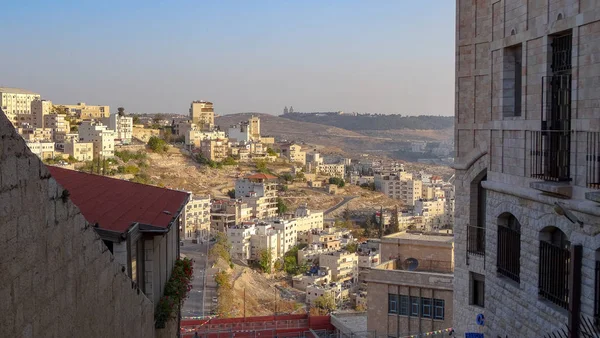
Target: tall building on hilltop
x=527 y=172
x=15 y=101
x=202 y=114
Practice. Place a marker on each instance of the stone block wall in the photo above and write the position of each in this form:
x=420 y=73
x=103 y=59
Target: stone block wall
x=57 y=278
x=489 y=140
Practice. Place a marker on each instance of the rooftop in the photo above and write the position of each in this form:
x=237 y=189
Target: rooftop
x=441 y=237
x=261 y=176
x=117 y=204
x=16 y=91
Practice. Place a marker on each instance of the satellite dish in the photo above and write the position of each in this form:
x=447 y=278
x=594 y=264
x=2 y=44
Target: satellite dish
x=410 y=264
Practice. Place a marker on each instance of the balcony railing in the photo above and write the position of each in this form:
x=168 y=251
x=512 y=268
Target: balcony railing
x=550 y=155
x=475 y=240
x=592 y=159
x=597 y=294
x=509 y=248
x=554 y=273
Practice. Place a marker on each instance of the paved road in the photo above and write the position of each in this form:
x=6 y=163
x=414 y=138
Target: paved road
x=339 y=205
x=200 y=302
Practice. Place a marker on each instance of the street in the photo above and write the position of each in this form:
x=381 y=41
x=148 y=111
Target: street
x=200 y=301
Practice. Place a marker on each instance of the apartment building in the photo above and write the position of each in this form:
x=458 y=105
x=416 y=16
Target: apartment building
x=239 y=237
x=102 y=138
x=14 y=101
x=313 y=250
x=289 y=233
x=403 y=302
x=35 y=134
x=122 y=126
x=194 y=136
x=343 y=265
x=432 y=248
x=334 y=290
x=316 y=276
x=332 y=170
x=259 y=192
x=81 y=151
x=215 y=150
x=42 y=149
x=226 y=213
x=307 y=219
x=526 y=143
x=57 y=124
x=39 y=110
x=399 y=185
x=202 y=114
x=196 y=217
x=85 y=112
x=433 y=213
x=246 y=131
x=293 y=152
x=266 y=239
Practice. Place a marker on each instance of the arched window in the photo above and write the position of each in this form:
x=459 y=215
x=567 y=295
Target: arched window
x=555 y=258
x=476 y=227
x=509 y=247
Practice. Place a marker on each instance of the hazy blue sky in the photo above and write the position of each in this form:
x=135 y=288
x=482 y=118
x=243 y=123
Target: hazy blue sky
x=148 y=56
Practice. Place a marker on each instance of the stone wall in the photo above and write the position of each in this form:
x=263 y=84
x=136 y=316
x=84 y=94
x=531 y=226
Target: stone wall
x=58 y=278
x=490 y=140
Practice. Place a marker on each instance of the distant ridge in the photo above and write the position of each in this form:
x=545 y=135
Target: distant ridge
x=359 y=122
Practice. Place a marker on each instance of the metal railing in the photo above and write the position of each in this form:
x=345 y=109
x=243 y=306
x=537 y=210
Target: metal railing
x=554 y=273
x=509 y=253
x=476 y=240
x=592 y=159
x=550 y=155
x=597 y=295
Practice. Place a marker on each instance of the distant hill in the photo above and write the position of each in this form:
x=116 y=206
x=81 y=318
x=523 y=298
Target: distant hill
x=375 y=122
x=332 y=139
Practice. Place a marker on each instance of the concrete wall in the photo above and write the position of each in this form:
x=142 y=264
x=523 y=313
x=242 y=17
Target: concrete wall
x=58 y=278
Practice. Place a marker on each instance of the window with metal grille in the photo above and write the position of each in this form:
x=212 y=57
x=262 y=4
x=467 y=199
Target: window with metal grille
x=509 y=247
x=555 y=258
x=426 y=304
x=404 y=306
x=597 y=291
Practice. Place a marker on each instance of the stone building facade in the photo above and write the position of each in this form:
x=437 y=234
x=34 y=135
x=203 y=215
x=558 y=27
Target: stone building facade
x=54 y=265
x=527 y=134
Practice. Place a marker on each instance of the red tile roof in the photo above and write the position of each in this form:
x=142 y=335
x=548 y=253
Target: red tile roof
x=116 y=204
x=261 y=176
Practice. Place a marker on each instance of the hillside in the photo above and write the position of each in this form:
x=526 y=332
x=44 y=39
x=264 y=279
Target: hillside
x=331 y=139
x=375 y=122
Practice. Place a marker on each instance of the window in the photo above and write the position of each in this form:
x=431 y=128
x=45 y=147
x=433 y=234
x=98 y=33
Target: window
x=477 y=291
x=426 y=307
x=392 y=303
x=404 y=305
x=555 y=258
x=597 y=289
x=414 y=306
x=509 y=247
x=438 y=309
x=476 y=228
x=512 y=74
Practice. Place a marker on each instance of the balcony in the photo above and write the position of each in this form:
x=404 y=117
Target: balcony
x=475 y=240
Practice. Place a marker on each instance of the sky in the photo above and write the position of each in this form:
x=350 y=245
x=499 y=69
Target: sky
x=386 y=56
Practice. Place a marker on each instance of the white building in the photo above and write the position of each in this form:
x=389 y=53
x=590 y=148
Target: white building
x=307 y=219
x=42 y=149
x=195 y=136
x=81 y=151
x=121 y=125
x=399 y=185
x=289 y=233
x=15 y=101
x=342 y=264
x=196 y=217
x=332 y=170
x=433 y=212
x=102 y=138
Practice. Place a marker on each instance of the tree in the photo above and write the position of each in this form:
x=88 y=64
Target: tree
x=287 y=177
x=167 y=135
x=394 y=224
x=231 y=193
x=264 y=260
x=281 y=206
x=272 y=152
x=158 y=117
x=121 y=111
x=352 y=247
x=291 y=110
x=158 y=145
x=369 y=226
x=229 y=161
x=136 y=119
x=300 y=176
x=325 y=302
x=278 y=266
x=74 y=129
x=337 y=181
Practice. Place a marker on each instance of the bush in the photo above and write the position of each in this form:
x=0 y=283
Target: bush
x=281 y=206
x=229 y=161
x=127 y=155
x=231 y=193
x=157 y=144
x=337 y=181
x=176 y=290
x=272 y=152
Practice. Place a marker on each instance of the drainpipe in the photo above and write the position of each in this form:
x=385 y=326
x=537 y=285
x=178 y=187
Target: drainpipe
x=575 y=292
